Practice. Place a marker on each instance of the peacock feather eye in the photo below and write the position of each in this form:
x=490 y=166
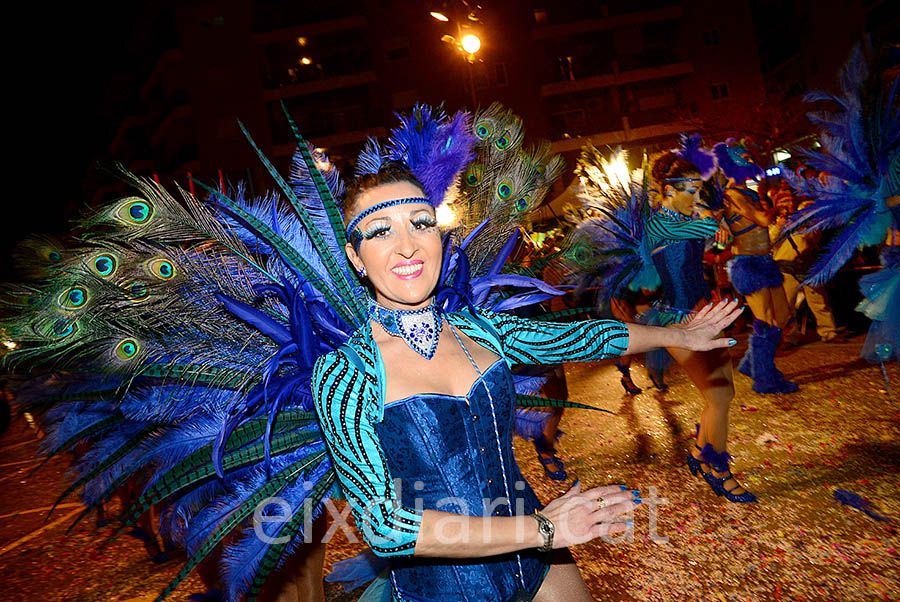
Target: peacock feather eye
x=161 y=268
x=136 y=290
x=63 y=328
x=482 y=130
x=473 y=174
x=105 y=265
x=74 y=298
x=504 y=190
x=503 y=141
x=134 y=211
x=522 y=204
x=127 y=349
x=54 y=255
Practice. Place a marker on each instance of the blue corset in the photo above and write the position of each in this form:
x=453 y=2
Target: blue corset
x=446 y=453
x=680 y=268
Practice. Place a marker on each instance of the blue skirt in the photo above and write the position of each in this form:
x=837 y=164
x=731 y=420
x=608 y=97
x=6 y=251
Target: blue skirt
x=751 y=273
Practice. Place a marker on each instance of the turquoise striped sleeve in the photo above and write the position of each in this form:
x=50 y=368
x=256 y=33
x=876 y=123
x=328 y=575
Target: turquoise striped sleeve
x=348 y=426
x=663 y=231
x=534 y=342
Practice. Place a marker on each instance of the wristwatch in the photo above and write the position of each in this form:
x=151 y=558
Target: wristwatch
x=546 y=529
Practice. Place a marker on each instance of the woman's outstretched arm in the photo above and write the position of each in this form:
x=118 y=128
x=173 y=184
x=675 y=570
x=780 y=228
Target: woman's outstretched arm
x=700 y=333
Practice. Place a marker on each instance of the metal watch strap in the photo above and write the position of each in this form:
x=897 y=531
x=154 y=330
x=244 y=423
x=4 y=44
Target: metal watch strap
x=546 y=529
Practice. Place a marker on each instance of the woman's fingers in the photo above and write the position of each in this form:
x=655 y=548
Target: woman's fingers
x=607 y=529
x=595 y=493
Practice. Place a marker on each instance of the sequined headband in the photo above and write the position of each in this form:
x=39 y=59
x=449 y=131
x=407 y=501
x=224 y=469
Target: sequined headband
x=352 y=226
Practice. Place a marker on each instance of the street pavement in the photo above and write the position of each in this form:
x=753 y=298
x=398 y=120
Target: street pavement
x=840 y=432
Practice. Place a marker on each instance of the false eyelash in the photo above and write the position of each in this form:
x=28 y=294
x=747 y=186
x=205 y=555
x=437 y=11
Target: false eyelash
x=374 y=230
x=425 y=219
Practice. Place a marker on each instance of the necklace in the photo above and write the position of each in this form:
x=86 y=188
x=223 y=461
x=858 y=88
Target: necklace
x=420 y=328
x=673 y=215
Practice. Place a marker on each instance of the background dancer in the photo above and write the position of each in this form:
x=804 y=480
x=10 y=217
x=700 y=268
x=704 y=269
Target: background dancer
x=753 y=272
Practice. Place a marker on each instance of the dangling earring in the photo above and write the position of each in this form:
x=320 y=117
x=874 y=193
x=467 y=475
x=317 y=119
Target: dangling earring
x=362 y=272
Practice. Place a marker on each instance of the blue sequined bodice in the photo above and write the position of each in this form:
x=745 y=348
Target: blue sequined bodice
x=680 y=268
x=449 y=456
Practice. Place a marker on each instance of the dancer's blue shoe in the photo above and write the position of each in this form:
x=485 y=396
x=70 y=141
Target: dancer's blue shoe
x=627 y=383
x=718 y=461
x=553 y=466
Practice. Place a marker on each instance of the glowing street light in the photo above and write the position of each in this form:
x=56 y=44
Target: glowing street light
x=439 y=16
x=306 y=61
x=471 y=43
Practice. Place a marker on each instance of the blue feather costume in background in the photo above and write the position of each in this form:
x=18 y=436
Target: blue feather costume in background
x=858 y=197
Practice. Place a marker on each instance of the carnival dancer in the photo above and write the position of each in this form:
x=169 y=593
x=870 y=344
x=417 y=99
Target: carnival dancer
x=675 y=242
x=753 y=272
x=424 y=395
x=196 y=328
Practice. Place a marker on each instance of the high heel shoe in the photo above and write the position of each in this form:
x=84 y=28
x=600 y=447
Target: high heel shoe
x=629 y=386
x=547 y=457
x=719 y=462
x=693 y=464
x=658 y=381
x=627 y=383
x=718 y=485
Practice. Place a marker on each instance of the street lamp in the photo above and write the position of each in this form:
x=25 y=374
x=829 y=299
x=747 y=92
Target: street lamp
x=466 y=41
x=471 y=44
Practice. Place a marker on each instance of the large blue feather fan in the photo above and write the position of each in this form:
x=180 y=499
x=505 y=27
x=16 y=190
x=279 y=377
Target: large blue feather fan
x=860 y=139
x=177 y=339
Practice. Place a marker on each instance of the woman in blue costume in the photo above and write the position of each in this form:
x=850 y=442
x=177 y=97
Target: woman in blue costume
x=426 y=397
x=753 y=272
x=677 y=240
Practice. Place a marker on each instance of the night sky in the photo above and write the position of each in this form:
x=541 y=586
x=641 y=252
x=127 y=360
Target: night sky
x=63 y=59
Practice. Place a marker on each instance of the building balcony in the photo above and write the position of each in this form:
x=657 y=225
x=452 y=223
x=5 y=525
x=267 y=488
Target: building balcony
x=334 y=140
x=625 y=135
x=166 y=63
x=321 y=85
x=130 y=129
x=174 y=117
x=617 y=78
x=308 y=30
x=632 y=19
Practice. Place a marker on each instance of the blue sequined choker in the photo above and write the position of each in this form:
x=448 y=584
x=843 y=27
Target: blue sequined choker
x=420 y=328
x=672 y=214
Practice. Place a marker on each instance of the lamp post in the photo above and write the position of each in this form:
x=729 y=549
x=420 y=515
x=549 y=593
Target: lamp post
x=466 y=42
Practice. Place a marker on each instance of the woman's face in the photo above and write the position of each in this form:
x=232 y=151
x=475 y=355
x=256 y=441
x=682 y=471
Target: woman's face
x=683 y=196
x=401 y=247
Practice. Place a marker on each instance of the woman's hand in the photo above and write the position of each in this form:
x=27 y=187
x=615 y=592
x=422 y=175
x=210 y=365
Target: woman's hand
x=582 y=516
x=700 y=332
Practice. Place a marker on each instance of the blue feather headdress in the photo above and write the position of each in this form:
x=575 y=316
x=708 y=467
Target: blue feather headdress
x=690 y=149
x=731 y=160
x=432 y=146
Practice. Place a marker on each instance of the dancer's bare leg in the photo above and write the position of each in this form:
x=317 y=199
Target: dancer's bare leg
x=563 y=582
x=299 y=579
x=712 y=372
x=782 y=312
x=760 y=304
